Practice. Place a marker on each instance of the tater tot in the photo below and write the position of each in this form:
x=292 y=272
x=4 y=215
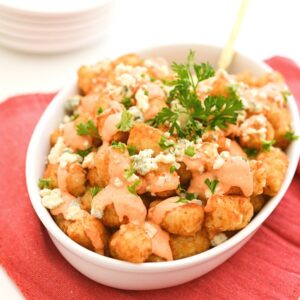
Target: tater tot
x=51 y=174
x=280 y=119
x=76 y=180
x=275 y=162
x=155 y=258
x=62 y=222
x=128 y=59
x=184 y=174
x=101 y=163
x=255 y=131
x=131 y=243
x=78 y=231
x=227 y=212
x=184 y=219
x=185 y=246
x=143 y=136
x=259 y=176
x=86 y=201
x=54 y=136
x=258 y=202
x=110 y=217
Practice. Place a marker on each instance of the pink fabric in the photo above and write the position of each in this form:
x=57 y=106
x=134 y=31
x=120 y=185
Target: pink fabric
x=267 y=267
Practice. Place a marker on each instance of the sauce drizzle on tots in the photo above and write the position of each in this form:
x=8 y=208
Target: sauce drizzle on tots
x=156 y=161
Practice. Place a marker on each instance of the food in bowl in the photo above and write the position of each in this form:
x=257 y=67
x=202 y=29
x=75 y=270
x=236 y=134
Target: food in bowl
x=155 y=162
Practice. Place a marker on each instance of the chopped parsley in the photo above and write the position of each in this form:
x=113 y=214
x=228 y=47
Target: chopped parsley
x=291 y=136
x=45 y=183
x=88 y=128
x=251 y=152
x=126 y=121
x=182 y=200
x=118 y=146
x=211 y=184
x=164 y=143
x=95 y=190
x=266 y=145
x=129 y=172
x=190 y=151
x=131 y=150
x=85 y=152
x=285 y=95
x=127 y=102
x=132 y=188
x=172 y=169
x=100 y=110
x=192 y=117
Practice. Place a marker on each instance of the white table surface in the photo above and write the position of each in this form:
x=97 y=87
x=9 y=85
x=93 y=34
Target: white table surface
x=270 y=28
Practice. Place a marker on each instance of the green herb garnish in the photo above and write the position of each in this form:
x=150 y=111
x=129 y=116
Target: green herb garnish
x=164 y=143
x=285 y=95
x=291 y=136
x=192 y=117
x=211 y=184
x=85 y=152
x=251 y=152
x=131 y=150
x=45 y=183
x=100 y=110
x=88 y=128
x=126 y=121
x=182 y=200
x=190 y=151
x=266 y=145
x=118 y=146
x=129 y=172
x=132 y=188
x=95 y=190
x=127 y=102
x=172 y=169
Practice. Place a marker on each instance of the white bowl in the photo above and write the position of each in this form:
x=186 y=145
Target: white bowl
x=124 y=275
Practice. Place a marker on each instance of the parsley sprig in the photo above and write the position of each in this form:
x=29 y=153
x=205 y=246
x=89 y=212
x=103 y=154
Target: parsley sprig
x=88 y=128
x=126 y=121
x=291 y=136
x=192 y=117
x=212 y=184
x=45 y=183
x=94 y=190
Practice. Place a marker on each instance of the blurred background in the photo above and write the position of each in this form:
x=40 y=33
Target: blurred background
x=269 y=28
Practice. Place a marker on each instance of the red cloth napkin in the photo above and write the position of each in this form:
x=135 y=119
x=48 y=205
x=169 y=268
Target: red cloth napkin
x=268 y=267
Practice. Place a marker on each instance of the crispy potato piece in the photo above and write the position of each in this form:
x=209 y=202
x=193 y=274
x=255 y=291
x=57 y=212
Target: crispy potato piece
x=62 y=223
x=185 y=246
x=128 y=59
x=256 y=130
x=54 y=136
x=184 y=220
x=101 y=164
x=275 y=162
x=155 y=258
x=227 y=212
x=143 y=136
x=258 y=202
x=76 y=180
x=86 y=201
x=93 y=178
x=76 y=230
x=131 y=243
x=51 y=173
x=259 y=176
x=184 y=174
x=110 y=217
x=280 y=119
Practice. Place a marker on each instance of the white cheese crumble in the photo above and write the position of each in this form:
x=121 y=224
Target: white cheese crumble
x=218 y=239
x=118 y=182
x=142 y=99
x=68 y=158
x=96 y=213
x=56 y=151
x=136 y=113
x=150 y=230
x=144 y=162
x=126 y=80
x=51 y=198
x=88 y=161
x=73 y=211
x=165 y=158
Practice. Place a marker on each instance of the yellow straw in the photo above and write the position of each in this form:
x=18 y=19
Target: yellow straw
x=228 y=51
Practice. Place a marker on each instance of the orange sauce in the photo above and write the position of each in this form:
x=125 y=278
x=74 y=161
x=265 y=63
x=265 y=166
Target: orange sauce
x=73 y=140
x=160 y=241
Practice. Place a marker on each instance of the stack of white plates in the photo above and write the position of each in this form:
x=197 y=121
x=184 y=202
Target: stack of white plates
x=51 y=26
